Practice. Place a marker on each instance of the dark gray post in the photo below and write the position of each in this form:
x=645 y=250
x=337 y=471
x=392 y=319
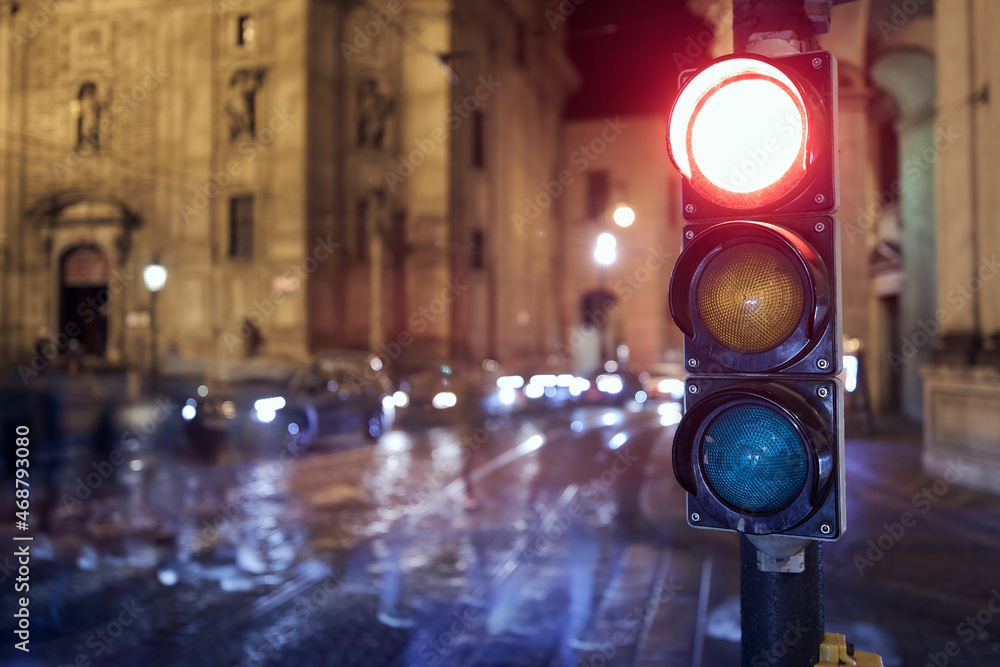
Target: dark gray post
x=781 y=615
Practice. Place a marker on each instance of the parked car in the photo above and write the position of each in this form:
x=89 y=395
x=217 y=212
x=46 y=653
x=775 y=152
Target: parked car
x=266 y=402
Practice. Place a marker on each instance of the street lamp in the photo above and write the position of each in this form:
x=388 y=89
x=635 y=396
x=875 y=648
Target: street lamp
x=604 y=252
x=155 y=277
x=624 y=215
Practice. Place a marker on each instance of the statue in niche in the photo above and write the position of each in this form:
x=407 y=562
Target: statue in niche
x=241 y=103
x=373 y=111
x=88 y=134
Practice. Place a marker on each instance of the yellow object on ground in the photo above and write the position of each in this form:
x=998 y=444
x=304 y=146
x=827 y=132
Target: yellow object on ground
x=834 y=651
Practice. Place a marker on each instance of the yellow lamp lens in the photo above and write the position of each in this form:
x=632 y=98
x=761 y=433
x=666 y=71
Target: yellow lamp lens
x=750 y=297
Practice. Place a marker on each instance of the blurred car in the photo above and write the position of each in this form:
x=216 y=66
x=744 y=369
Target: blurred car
x=448 y=391
x=665 y=381
x=617 y=385
x=551 y=391
x=348 y=390
x=270 y=400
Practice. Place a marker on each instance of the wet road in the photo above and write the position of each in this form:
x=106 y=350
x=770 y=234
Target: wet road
x=347 y=553
x=351 y=553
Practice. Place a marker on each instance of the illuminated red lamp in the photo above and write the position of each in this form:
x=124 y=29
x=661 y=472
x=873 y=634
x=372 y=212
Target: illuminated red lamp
x=749 y=134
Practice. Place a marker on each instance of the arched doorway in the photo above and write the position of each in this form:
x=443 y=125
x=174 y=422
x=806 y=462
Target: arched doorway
x=84 y=296
x=596 y=308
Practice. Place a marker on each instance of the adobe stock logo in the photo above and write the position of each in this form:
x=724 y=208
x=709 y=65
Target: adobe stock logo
x=900 y=16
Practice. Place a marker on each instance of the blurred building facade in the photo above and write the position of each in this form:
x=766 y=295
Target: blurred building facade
x=608 y=162
x=919 y=210
x=325 y=174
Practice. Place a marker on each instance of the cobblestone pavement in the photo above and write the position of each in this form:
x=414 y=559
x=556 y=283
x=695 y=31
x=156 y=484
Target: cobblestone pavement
x=347 y=554
x=574 y=553
x=897 y=586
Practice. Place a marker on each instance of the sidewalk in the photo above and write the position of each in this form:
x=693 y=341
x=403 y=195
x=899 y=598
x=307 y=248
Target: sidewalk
x=652 y=612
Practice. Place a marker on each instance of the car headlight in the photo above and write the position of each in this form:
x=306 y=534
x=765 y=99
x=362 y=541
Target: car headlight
x=444 y=399
x=510 y=382
x=269 y=404
x=507 y=395
x=609 y=384
x=671 y=387
x=265 y=408
x=579 y=385
x=400 y=399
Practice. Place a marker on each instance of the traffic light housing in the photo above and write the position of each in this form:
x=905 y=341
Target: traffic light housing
x=782 y=280
x=751 y=135
x=756 y=294
x=763 y=458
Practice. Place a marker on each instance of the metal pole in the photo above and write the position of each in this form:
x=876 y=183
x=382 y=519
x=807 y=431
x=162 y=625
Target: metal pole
x=374 y=225
x=154 y=366
x=781 y=614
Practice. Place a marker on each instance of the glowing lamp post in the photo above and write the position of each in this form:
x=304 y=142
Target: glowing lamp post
x=624 y=216
x=154 y=276
x=604 y=251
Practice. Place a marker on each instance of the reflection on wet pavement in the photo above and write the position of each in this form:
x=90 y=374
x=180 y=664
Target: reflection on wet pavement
x=338 y=556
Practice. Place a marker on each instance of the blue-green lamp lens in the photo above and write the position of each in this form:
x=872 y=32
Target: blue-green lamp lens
x=753 y=458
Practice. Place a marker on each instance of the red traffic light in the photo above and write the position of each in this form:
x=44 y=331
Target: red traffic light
x=749 y=134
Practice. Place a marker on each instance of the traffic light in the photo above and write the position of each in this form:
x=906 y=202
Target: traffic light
x=756 y=294
x=752 y=135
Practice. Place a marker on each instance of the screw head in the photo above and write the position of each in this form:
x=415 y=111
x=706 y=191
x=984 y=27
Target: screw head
x=689 y=235
x=693 y=363
x=817 y=63
x=819 y=199
x=695 y=517
x=826 y=529
x=819 y=227
x=690 y=208
x=693 y=389
x=822 y=392
x=822 y=364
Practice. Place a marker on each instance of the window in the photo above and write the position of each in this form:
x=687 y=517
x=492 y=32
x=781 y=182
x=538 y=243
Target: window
x=477 y=251
x=241 y=227
x=478 y=139
x=597 y=195
x=245 y=32
x=361 y=229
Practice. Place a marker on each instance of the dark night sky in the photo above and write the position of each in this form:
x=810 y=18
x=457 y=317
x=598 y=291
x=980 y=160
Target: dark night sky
x=633 y=70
